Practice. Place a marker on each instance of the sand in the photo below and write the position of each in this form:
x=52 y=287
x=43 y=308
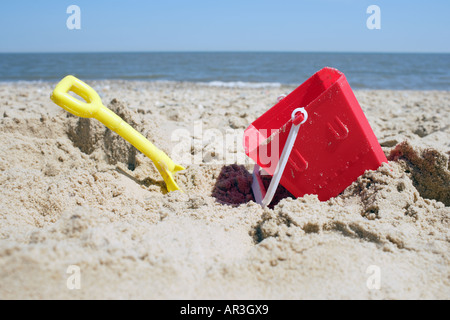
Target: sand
x=75 y=196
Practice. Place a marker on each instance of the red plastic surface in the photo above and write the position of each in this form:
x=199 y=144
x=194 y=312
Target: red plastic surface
x=333 y=147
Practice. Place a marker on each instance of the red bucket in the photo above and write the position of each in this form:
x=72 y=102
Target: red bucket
x=333 y=147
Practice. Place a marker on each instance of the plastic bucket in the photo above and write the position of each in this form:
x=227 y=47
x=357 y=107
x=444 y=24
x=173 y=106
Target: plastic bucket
x=333 y=147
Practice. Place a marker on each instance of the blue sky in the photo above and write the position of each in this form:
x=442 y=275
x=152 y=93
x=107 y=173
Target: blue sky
x=232 y=25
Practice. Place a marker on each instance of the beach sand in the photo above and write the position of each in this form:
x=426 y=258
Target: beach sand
x=75 y=194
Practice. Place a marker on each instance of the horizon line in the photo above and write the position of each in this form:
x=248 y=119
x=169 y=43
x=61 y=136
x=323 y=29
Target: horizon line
x=224 y=51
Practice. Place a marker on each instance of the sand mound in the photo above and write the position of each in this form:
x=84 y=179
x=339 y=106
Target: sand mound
x=382 y=207
x=428 y=170
x=92 y=136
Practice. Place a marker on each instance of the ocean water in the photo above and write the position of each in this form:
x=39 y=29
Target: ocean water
x=363 y=70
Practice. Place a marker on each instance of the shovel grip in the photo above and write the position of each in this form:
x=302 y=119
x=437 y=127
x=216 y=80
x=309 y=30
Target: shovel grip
x=84 y=109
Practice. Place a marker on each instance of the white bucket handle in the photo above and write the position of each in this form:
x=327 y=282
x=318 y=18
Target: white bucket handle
x=278 y=173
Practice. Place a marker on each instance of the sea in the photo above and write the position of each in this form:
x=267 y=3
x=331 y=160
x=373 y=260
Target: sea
x=394 y=71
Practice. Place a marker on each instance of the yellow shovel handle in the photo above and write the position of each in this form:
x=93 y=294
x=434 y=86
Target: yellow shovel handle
x=62 y=98
x=93 y=108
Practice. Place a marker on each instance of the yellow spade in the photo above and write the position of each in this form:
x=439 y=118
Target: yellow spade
x=93 y=108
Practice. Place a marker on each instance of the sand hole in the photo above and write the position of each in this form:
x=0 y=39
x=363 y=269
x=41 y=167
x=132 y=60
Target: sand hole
x=234 y=187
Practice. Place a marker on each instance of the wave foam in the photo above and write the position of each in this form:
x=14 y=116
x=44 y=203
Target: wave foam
x=241 y=84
